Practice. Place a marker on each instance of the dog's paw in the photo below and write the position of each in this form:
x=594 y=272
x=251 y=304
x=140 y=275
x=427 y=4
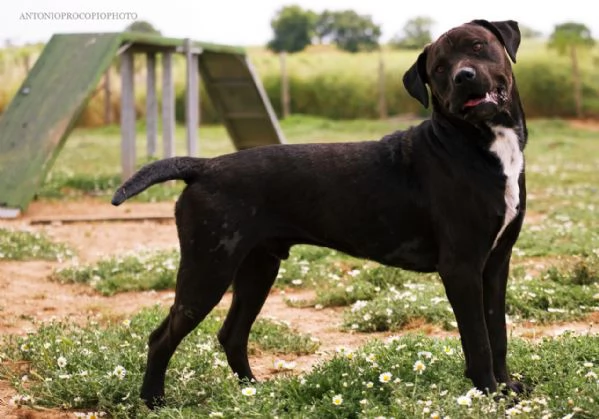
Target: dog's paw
x=512 y=392
x=517 y=387
x=154 y=402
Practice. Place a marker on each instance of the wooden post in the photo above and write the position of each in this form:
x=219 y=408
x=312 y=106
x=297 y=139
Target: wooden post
x=191 y=99
x=168 y=105
x=151 y=105
x=127 y=116
x=107 y=98
x=577 y=81
x=382 y=97
x=284 y=85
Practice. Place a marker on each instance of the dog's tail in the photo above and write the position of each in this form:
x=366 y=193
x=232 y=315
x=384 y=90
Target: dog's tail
x=174 y=168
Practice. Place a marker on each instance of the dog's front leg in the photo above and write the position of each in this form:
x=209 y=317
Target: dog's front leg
x=495 y=282
x=464 y=288
x=495 y=277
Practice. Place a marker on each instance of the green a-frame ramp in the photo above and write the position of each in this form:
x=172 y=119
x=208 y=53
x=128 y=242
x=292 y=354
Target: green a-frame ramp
x=38 y=120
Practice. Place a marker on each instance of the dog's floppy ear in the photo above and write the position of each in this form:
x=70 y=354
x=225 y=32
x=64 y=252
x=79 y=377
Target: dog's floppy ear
x=415 y=78
x=506 y=31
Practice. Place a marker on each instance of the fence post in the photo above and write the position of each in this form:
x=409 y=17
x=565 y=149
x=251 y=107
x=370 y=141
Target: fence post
x=127 y=115
x=151 y=105
x=285 y=101
x=168 y=105
x=383 y=113
x=191 y=99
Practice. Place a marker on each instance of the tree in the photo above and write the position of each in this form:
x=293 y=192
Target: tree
x=353 y=32
x=324 y=26
x=527 y=32
x=415 y=34
x=570 y=38
x=142 y=26
x=293 y=28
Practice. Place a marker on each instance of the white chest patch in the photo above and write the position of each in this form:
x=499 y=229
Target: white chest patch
x=506 y=147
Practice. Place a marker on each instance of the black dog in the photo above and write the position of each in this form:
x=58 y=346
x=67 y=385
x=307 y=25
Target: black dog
x=447 y=195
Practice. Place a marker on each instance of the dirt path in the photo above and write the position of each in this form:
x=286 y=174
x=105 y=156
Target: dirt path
x=28 y=297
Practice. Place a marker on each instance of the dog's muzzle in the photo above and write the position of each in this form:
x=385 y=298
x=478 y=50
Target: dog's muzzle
x=473 y=98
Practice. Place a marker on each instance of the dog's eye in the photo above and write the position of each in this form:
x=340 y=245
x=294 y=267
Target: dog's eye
x=440 y=69
x=477 y=46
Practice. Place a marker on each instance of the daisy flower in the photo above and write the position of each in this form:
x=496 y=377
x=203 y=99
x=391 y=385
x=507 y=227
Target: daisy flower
x=119 y=372
x=419 y=367
x=385 y=377
x=248 y=391
x=61 y=361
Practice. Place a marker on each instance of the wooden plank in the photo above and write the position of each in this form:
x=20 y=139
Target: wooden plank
x=232 y=82
x=35 y=125
x=168 y=105
x=9 y=212
x=236 y=90
x=265 y=101
x=246 y=115
x=192 y=100
x=101 y=219
x=156 y=41
x=127 y=116
x=151 y=105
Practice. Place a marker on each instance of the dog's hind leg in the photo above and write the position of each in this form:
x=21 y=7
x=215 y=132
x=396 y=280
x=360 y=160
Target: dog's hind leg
x=251 y=286
x=199 y=289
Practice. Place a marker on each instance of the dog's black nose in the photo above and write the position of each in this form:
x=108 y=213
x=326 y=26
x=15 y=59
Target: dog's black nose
x=464 y=74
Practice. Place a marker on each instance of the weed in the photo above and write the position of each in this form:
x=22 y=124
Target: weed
x=27 y=245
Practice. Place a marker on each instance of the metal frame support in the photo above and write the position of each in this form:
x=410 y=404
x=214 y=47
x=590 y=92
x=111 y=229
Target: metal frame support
x=168 y=105
x=192 y=98
x=151 y=105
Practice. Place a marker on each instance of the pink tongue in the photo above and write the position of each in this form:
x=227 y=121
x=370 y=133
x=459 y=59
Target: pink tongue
x=474 y=102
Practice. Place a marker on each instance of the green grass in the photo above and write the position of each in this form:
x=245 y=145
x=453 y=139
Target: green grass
x=377 y=298
x=94 y=368
x=133 y=272
x=307 y=266
x=97 y=367
x=562 y=183
x=26 y=245
x=384 y=298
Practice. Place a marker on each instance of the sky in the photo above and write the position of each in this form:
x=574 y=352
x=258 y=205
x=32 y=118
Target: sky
x=243 y=23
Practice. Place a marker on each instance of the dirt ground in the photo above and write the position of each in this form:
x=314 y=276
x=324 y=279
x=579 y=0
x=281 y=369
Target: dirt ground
x=28 y=297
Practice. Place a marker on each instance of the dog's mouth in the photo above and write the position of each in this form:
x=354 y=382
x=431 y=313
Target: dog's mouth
x=476 y=100
x=479 y=103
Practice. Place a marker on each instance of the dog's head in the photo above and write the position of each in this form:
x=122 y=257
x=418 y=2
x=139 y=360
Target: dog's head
x=467 y=70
